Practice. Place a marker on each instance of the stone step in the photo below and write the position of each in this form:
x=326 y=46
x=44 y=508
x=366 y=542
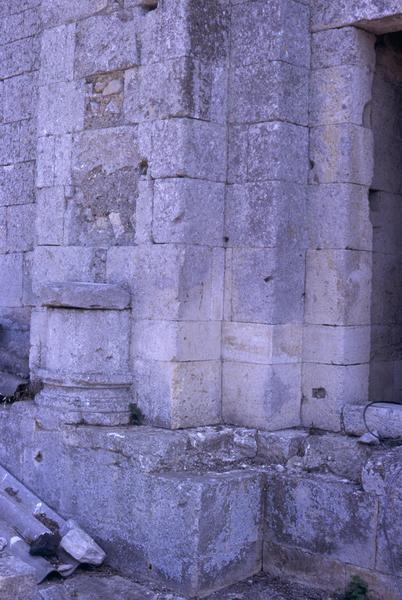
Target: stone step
x=99 y=587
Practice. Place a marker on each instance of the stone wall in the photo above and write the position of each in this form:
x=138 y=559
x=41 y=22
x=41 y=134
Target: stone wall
x=19 y=65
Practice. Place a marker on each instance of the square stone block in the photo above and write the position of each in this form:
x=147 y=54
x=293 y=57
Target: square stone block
x=336 y=344
x=105 y=43
x=177 y=282
x=188 y=211
x=345 y=46
x=57 y=52
x=261 y=396
x=181 y=87
x=327 y=389
x=338 y=286
x=199 y=149
x=61 y=108
x=177 y=340
x=266 y=285
x=339 y=217
x=53 y=263
x=322 y=515
x=375 y=16
x=269 y=91
x=277 y=151
x=342 y=153
x=17 y=184
x=276 y=30
x=340 y=95
x=307 y=568
x=20 y=227
x=50 y=216
x=19 y=97
x=55 y=12
x=261 y=344
x=268 y=214
x=11 y=269
x=178 y=394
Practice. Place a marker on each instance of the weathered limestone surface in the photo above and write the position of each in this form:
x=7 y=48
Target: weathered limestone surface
x=200 y=231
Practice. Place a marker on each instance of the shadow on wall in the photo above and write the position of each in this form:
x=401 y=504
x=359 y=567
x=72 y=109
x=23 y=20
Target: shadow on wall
x=386 y=218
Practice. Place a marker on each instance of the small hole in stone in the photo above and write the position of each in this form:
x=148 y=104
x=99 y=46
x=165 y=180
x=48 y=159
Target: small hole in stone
x=149 y=5
x=38 y=457
x=150 y=567
x=319 y=392
x=312 y=164
x=144 y=167
x=268 y=279
x=226 y=239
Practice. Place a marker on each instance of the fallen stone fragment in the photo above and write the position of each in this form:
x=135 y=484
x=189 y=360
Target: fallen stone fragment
x=81 y=546
x=369 y=438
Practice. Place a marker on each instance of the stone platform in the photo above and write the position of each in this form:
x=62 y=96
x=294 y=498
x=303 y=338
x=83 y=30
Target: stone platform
x=197 y=510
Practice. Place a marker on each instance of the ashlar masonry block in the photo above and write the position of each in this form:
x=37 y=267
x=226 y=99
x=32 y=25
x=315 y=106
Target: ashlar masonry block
x=61 y=108
x=20 y=227
x=277 y=150
x=340 y=95
x=199 y=149
x=19 y=97
x=341 y=153
x=266 y=214
x=188 y=211
x=105 y=43
x=261 y=396
x=55 y=263
x=339 y=217
x=261 y=344
x=327 y=389
x=178 y=394
x=50 y=216
x=178 y=282
x=177 y=340
x=180 y=87
x=345 y=46
x=338 y=284
x=336 y=344
x=17 y=184
x=322 y=515
x=364 y=13
x=266 y=286
x=55 y=12
x=270 y=31
x=269 y=91
x=186 y=28
x=11 y=268
x=57 y=53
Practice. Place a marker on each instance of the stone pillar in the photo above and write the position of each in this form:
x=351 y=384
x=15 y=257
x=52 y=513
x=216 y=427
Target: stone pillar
x=177 y=99
x=80 y=352
x=339 y=262
x=264 y=213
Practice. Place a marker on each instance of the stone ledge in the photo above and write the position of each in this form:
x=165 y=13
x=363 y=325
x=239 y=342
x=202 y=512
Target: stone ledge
x=384 y=418
x=89 y=296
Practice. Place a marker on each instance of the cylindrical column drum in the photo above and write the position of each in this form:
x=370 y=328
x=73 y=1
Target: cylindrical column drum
x=84 y=351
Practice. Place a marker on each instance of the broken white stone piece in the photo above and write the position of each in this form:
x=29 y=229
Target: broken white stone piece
x=81 y=546
x=370 y=439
